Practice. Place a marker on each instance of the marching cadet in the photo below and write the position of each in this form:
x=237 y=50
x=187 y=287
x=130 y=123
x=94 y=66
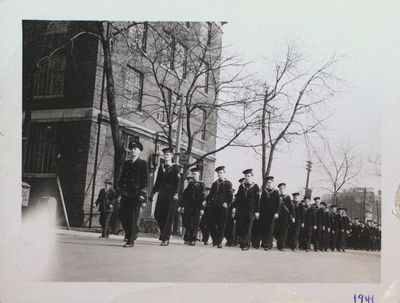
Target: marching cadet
x=341 y=243
x=133 y=189
x=105 y=202
x=193 y=206
x=220 y=197
x=269 y=212
x=356 y=233
x=205 y=220
x=184 y=200
x=248 y=205
x=286 y=214
x=231 y=222
x=297 y=223
x=327 y=230
x=167 y=186
x=309 y=223
x=334 y=222
x=319 y=220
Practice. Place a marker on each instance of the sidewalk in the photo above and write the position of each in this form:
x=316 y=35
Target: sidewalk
x=95 y=233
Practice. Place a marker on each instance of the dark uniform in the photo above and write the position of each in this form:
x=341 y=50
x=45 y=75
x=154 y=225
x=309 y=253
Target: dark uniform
x=205 y=222
x=133 y=189
x=334 y=221
x=185 y=197
x=309 y=223
x=105 y=202
x=320 y=222
x=326 y=234
x=231 y=225
x=248 y=203
x=269 y=206
x=286 y=213
x=294 y=227
x=221 y=192
x=167 y=186
x=192 y=204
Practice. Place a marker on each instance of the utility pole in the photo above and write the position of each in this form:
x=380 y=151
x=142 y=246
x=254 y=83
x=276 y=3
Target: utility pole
x=308 y=168
x=364 y=202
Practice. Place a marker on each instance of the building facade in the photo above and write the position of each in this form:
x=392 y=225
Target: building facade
x=165 y=74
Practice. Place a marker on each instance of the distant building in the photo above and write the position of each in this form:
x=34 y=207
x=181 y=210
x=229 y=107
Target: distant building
x=363 y=203
x=69 y=129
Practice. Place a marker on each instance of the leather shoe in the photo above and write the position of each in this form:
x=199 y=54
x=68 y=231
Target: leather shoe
x=128 y=245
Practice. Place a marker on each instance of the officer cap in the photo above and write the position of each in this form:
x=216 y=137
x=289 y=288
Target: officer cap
x=281 y=185
x=317 y=198
x=241 y=180
x=220 y=168
x=167 y=150
x=134 y=144
x=323 y=203
x=267 y=178
x=306 y=198
x=108 y=181
x=332 y=206
x=296 y=194
x=247 y=171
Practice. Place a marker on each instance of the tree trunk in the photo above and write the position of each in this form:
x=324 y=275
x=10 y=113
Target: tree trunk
x=263 y=139
x=270 y=159
x=112 y=111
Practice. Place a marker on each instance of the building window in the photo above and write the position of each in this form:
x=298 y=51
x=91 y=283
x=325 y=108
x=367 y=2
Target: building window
x=180 y=58
x=41 y=149
x=138 y=35
x=49 y=79
x=133 y=86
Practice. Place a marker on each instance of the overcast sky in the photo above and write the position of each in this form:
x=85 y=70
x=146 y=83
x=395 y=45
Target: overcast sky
x=366 y=35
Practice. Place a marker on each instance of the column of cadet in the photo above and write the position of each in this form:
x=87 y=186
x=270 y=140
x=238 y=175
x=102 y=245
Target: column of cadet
x=250 y=218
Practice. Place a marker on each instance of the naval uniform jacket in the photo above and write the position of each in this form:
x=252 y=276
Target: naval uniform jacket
x=269 y=202
x=134 y=179
x=299 y=212
x=167 y=182
x=247 y=199
x=193 y=196
x=286 y=207
x=221 y=192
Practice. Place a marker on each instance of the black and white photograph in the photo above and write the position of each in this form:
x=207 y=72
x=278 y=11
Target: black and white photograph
x=246 y=148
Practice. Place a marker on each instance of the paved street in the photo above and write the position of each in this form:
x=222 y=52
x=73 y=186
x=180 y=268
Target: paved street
x=82 y=257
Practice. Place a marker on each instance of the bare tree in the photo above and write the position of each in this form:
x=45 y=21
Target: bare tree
x=341 y=166
x=287 y=103
x=193 y=83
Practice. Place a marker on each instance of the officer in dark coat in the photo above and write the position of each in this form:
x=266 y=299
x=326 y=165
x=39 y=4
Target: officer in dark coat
x=286 y=216
x=205 y=220
x=248 y=204
x=355 y=234
x=105 y=201
x=193 y=207
x=167 y=187
x=219 y=199
x=309 y=223
x=344 y=226
x=296 y=224
x=269 y=212
x=319 y=221
x=132 y=186
x=326 y=233
x=334 y=222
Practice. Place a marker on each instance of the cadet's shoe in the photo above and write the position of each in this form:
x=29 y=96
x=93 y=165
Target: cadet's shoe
x=245 y=248
x=293 y=249
x=267 y=249
x=165 y=243
x=281 y=249
x=185 y=242
x=192 y=243
x=128 y=245
x=219 y=245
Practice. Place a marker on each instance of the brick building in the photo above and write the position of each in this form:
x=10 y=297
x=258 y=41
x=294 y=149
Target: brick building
x=65 y=106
